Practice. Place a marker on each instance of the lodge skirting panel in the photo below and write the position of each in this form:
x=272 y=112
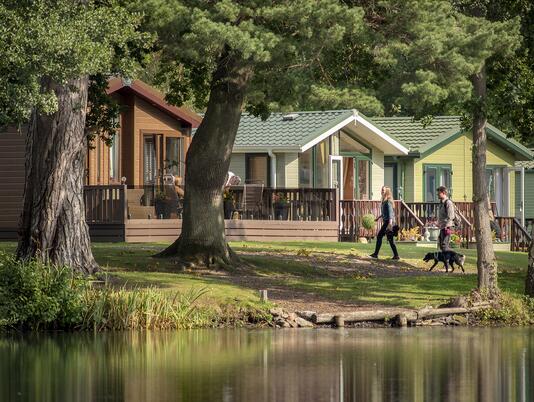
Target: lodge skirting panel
x=166 y=230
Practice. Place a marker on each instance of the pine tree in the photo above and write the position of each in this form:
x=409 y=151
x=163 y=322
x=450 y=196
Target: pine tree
x=228 y=57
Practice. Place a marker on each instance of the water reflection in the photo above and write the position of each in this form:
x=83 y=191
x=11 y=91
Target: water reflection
x=433 y=364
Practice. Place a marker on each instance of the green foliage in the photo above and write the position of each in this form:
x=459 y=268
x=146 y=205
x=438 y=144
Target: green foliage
x=414 y=58
x=368 y=221
x=35 y=295
x=510 y=311
x=102 y=120
x=60 y=40
x=277 y=41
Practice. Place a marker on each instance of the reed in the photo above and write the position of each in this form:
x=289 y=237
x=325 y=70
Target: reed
x=109 y=308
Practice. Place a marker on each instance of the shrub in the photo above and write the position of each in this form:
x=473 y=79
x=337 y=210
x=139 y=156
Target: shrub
x=35 y=295
x=368 y=221
x=509 y=310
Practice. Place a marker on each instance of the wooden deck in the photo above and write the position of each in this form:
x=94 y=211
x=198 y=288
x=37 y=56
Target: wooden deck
x=166 y=230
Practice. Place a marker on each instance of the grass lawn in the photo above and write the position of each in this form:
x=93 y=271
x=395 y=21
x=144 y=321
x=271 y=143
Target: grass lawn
x=337 y=272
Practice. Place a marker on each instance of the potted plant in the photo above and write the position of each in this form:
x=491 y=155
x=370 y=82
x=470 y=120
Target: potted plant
x=160 y=205
x=455 y=240
x=432 y=229
x=368 y=223
x=228 y=203
x=281 y=206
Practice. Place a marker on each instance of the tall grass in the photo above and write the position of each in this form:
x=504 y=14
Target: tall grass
x=120 y=309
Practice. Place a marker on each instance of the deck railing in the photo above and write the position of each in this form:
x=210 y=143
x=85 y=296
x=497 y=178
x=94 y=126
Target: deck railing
x=512 y=231
x=117 y=203
x=352 y=212
x=105 y=204
x=291 y=204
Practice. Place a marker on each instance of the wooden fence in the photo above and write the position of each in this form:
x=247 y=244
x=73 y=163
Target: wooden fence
x=428 y=213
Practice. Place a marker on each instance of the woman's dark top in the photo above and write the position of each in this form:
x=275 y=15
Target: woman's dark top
x=387 y=211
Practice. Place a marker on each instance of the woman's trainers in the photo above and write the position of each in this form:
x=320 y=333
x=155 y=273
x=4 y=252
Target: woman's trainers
x=373 y=256
x=396 y=257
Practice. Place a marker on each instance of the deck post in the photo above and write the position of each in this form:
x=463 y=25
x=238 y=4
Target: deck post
x=124 y=203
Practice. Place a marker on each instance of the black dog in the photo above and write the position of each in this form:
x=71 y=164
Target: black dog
x=446 y=257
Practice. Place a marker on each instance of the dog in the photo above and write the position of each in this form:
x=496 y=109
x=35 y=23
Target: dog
x=446 y=257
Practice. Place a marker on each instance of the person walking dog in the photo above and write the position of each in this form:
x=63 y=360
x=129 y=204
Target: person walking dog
x=446 y=214
x=388 y=219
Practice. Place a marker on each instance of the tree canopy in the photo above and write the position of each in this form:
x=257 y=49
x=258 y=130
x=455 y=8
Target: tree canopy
x=414 y=59
x=60 y=40
x=278 y=41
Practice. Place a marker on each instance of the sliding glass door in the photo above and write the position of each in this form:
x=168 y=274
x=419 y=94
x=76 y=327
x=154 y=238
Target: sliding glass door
x=162 y=154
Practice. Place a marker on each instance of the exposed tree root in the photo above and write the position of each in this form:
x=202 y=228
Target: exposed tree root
x=195 y=256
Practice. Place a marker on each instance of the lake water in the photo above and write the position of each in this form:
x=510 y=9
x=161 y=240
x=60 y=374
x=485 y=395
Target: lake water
x=419 y=364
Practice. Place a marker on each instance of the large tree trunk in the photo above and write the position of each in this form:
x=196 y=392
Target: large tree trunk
x=52 y=226
x=529 y=285
x=486 y=263
x=203 y=241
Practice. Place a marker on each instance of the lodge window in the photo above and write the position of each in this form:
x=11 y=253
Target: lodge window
x=306 y=169
x=435 y=176
x=362 y=173
x=114 y=159
x=257 y=169
x=314 y=165
x=321 y=162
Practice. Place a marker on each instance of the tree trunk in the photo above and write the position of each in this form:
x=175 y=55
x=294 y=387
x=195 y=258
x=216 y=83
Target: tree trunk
x=486 y=263
x=203 y=239
x=52 y=225
x=529 y=288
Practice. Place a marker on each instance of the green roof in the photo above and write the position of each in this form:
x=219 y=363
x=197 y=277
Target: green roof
x=412 y=133
x=421 y=139
x=286 y=130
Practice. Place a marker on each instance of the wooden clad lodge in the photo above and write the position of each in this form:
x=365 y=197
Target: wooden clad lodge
x=153 y=139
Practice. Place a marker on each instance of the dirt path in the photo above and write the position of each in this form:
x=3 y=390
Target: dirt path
x=320 y=265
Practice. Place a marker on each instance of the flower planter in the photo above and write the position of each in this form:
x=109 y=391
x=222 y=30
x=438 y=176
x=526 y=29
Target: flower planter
x=281 y=211
x=433 y=233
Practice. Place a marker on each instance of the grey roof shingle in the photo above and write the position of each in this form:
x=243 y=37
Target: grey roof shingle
x=277 y=132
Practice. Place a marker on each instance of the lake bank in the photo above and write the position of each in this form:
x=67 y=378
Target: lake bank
x=303 y=276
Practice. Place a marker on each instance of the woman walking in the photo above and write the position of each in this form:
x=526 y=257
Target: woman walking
x=388 y=218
